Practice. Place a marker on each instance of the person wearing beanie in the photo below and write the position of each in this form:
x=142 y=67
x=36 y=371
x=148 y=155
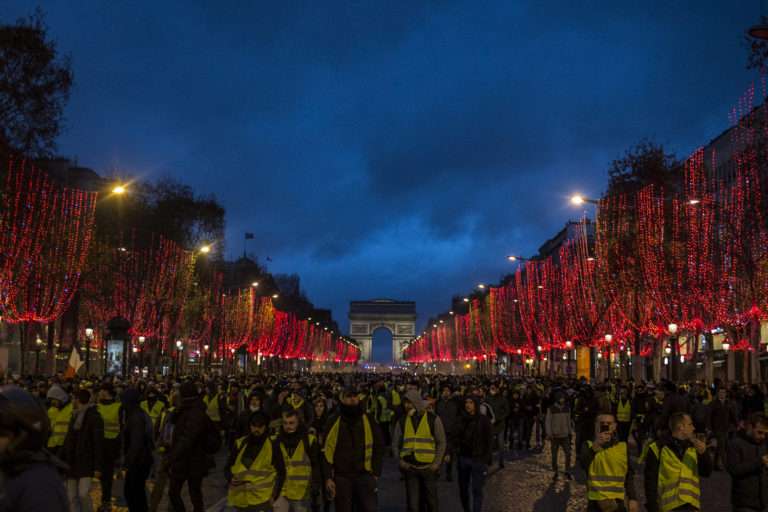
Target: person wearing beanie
x=354 y=453
x=137 y=442
x=109 y=410
x=59 y=414
x=475 y=450
x=187 y=459
x=82 y=451
x=255 y=470
x=420 y=440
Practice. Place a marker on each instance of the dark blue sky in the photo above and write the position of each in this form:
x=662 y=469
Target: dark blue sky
x=392 y=149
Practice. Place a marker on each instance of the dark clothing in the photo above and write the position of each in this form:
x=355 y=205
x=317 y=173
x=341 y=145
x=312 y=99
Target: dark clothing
x=82 y=449
x=587 y=455
x=722 y=416
x=356 y=492
x=651 y=472
x=476 y=439
x=111 y=450
x=472 y=475
x=32 y=484
x=195 y=486
x=187 y=457
x=745 y=465
x=135 y=488
x=349 y=457
x=137 y=439
x=421 y=489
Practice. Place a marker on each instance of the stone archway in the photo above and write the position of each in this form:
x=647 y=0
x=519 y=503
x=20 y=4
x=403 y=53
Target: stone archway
x=398 y=317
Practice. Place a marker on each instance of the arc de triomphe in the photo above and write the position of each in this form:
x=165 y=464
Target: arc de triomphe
x=398 y=317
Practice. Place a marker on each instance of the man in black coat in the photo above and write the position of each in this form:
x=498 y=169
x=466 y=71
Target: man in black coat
x=138 y=445
x=448 y=408
x=82 y=451
x=187 y=458
x=746 y=463
x=475 y=451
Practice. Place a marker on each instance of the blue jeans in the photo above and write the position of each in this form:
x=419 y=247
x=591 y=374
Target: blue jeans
x=471 y=475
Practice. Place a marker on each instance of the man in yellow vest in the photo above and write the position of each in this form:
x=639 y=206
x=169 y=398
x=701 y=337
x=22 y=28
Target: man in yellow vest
x=354 y=452
x=154 y=407
x=301 y=453
x=673 y=466
x=623 y=413
x=214 y=402
x=109 y=410
x=256 y=469
x=420 y=438
x=59 y=414
x=610 y=478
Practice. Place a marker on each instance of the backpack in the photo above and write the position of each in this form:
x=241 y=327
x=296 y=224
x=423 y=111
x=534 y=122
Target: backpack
x=212 y=442
x=489 y=411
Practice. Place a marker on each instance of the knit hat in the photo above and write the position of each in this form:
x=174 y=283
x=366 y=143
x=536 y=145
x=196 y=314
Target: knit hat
x=189 y=390
x=56 y=393
x=414 y=397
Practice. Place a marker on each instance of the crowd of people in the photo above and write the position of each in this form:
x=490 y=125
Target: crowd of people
x=313 y=442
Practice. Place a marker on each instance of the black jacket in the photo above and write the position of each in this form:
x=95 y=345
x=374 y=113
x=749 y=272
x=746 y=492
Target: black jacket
x=651 y=471
x=32 y=483
x=187 y=457
x=137 y=439
x=83 y=449
x=349 y=456
x=745 y=465
x=476 y=438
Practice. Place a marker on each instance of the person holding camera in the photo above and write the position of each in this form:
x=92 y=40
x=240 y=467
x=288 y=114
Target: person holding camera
x=673 y=466
x=610 y=478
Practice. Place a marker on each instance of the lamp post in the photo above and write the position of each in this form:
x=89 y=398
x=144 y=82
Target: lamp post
x=38 y=347
x=179 y=352
x=142 y=339
x=568 y=348
x=673 y=362
x=88 y=341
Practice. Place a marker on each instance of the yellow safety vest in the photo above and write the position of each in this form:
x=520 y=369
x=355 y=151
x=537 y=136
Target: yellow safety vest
x=155 y=413
x=110 y=415
x=259 y=478
x=624 y=412
x=395 y=398
x=59 y=424
x=385 y=413
x=298 y=471
x=420 y=443
x=213 y=408
x=678 y=480
x=296 y=402
x=333 y=438
x=607 y=473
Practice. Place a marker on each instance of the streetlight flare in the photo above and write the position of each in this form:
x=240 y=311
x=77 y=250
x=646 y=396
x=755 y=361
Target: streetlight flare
x=205 y=249
x=577 y=199
x=119 y=190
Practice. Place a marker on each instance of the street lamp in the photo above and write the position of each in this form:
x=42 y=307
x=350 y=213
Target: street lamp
x=255 y=284
x=672 y=328
x=481 y=286
x=38 y=347
x=205 y=249
x=578 y=200
x=119 y=189
x=514 y=258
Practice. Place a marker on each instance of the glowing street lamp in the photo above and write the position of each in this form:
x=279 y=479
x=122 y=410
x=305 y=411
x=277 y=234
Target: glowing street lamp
x=119 y=190
x=726 y=346
x=672 y=328
x=578 y=200
x=466 y=299
x=205 y=249
x=255 y=284
x=608 y=338
x=514 y=258
x=481 y=286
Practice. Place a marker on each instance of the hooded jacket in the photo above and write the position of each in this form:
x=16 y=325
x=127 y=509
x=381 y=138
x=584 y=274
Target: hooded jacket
x=745 y=465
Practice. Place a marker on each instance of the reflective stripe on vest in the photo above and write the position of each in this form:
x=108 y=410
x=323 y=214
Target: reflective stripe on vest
x=607 y=473
x=678 y=480
x=298 y=471
x=213 y=408
x=259 y=478
x=110 y=415
x=333 y=438
x=59 y=424
x=420 y=443
x=155 y=413
x=624 y=412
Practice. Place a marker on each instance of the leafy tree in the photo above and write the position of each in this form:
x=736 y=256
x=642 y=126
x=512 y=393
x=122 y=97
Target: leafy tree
x=644 y=164
x=34 y=87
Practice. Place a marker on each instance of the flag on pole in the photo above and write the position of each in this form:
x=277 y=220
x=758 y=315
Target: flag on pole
x=74 y=364
x=249 y=236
